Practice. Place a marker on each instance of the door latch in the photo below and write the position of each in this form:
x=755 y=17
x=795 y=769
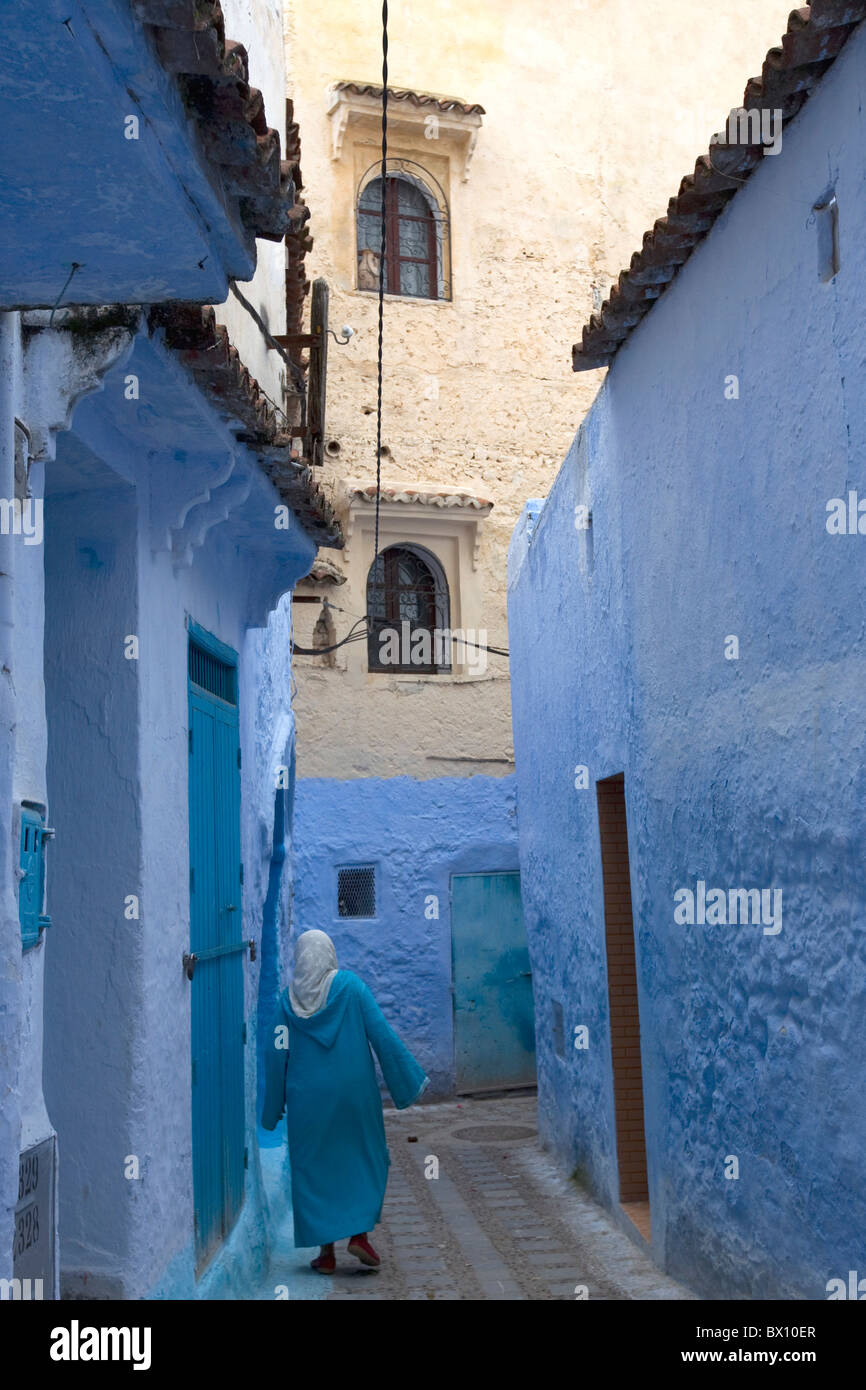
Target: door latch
x=192 y=958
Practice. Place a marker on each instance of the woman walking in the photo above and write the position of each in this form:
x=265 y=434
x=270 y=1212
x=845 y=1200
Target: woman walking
x=320 y=1070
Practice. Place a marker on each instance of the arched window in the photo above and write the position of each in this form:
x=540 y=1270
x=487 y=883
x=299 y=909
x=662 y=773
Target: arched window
x=413 y=238
x=408 y=608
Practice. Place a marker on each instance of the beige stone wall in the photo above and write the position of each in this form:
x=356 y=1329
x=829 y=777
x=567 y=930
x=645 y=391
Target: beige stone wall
x=594 y=111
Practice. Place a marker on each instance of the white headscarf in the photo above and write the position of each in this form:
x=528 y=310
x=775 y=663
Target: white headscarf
x=315 y=968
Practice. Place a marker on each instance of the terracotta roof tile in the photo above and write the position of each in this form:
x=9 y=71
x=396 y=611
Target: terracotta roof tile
x=324 y=572
x=404 y=492
x=815 y=36
x=213 y=77
x=396 y=94
x=204 y=348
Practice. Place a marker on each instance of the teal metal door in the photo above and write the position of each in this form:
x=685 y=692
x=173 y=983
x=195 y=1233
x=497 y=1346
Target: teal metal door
x=216 y=921
x=494 y=1022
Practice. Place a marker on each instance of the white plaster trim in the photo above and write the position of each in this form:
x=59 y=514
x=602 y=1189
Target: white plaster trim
x=423 y=496
x=61 y=367
x=457 y=128
x=414 y=513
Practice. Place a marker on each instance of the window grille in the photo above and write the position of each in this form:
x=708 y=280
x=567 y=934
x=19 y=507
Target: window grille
x=212 y=675
x=416 y=235
x=402 y=587
x=356 y=891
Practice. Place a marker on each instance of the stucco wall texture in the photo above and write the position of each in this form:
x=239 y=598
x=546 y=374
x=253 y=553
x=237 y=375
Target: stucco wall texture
x=416 y=834
x=591 y=121
x=117 y=1030
x=709 y=521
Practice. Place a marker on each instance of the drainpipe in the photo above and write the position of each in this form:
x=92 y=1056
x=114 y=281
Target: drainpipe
x=10 y=940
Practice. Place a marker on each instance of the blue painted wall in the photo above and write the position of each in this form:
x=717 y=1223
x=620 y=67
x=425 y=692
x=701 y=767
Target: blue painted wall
x=417 y=833
x=709 y=521
x=117 y=1022
x=145 y=218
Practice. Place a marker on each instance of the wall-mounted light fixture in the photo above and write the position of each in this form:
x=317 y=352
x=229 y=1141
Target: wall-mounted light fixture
x=347 y=333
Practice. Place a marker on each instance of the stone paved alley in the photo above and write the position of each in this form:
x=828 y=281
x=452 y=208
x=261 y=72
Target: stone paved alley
x=499 y=1222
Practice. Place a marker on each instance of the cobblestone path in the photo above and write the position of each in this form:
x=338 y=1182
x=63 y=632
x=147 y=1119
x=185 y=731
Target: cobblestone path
x=499 y=1221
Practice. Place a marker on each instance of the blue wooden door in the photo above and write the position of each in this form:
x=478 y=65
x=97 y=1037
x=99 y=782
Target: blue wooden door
x=216 y=921
x=494 y=1021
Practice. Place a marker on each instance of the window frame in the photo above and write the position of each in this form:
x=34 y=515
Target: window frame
x=373 y=868
x=441 y=609
x=439 y=229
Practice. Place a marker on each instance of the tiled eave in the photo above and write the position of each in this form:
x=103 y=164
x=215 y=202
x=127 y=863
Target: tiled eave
x=394 y=493
x=360 y=104
x=298 y=240
x=213 y=76
x=323 y=572
x=203 y=347
x=403 y=96
x=815 y=36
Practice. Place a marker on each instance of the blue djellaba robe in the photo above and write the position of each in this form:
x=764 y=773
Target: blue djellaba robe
x=326 y=1083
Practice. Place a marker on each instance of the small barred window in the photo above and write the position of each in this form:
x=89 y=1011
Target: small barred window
x=356 y=891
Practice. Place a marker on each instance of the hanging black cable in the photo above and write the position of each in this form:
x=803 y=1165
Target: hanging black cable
x=382 y=268
x=354 y=635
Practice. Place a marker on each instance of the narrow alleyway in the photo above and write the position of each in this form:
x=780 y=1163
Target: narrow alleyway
x=499 y=1221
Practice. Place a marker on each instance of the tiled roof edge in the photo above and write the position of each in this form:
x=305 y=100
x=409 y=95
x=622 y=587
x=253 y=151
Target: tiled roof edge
x=404 y=94
x=205 y=350
x=815 y=36
x=212 y=73
x=298 y=240
x=445 y=497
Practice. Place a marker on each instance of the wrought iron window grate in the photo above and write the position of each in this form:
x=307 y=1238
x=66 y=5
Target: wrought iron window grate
x=417 y=238
x=356 y=891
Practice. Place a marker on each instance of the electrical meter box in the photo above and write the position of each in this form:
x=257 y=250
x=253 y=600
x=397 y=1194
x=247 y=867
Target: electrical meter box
x=31 y=884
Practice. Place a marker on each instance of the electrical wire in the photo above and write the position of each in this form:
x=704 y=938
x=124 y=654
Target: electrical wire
x=353 y=636
x=381 y=271
x=76 y=265
x=297 y=374
x=497 y=651
x=364 y=623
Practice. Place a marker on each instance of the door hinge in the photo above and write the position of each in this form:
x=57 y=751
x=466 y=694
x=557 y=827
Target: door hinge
x=244 y=1034
x=239 y=757
x=246 y=1158
x=242 y=871
x=190 y=740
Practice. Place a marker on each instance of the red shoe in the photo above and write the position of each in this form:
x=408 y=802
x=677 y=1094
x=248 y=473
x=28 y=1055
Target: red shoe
x=324 y=1264
x=363 y=1250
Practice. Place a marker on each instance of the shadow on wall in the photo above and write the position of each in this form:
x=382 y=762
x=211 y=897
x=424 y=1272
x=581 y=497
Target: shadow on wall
x=269 y=976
